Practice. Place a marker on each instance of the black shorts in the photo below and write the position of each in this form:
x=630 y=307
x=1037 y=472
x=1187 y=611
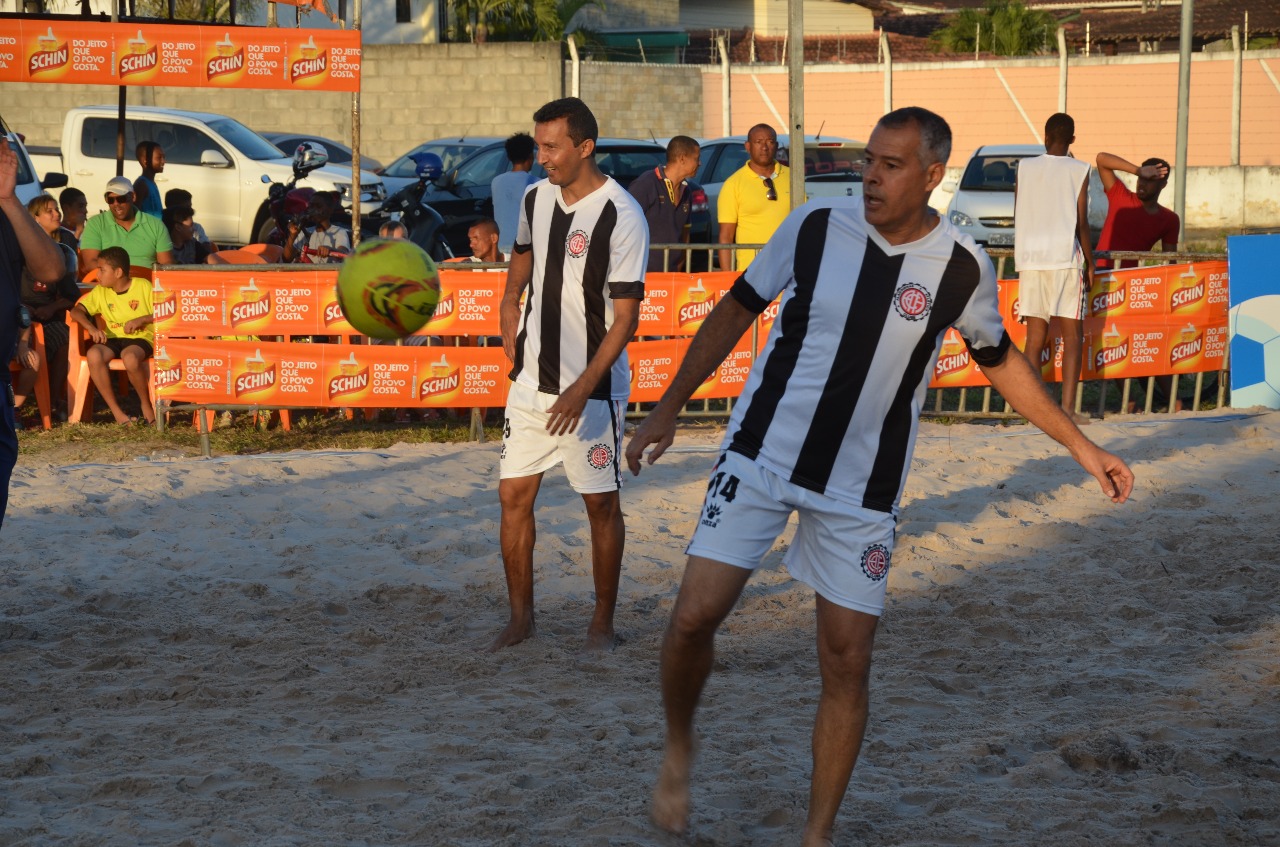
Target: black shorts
x=117 y=345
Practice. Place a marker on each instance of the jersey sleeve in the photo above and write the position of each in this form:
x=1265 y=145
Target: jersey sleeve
x=524 y=234
x=342 y=240
x=1172 y=230
x=92 y=301
x=773 y=268
x=628 y=254
x=980 y=324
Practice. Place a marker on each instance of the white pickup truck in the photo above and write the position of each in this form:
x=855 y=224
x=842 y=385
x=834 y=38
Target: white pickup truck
x=218 y=159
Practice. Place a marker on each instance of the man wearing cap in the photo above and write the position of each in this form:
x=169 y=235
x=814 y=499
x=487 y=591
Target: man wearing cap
x=142 y=236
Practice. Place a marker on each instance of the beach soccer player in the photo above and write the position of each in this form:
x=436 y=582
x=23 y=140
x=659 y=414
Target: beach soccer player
x=580 y=253
x=826 y=426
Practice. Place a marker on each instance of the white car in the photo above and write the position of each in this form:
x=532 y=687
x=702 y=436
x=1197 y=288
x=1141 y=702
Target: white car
x=29 y=184
x=982 y=203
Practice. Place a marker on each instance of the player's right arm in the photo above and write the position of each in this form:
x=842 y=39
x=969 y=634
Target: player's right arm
x=719 y=333
x=519 y=275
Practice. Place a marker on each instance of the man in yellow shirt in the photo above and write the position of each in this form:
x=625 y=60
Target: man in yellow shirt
x=755 y=199
x=125 y=307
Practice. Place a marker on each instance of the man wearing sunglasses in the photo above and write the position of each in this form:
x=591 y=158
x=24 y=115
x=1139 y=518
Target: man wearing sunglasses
x=755 y=199
x=143 y=236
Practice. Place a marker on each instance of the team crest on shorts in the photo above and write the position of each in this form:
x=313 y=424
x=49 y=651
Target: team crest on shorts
x=600 y=456
x=875 y=562
x=912 y=301
x=577 y=243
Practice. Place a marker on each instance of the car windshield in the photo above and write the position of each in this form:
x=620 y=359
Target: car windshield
x=624 y=164
x=833 y=163
x=451 y=153
x=991 y=173
x=25 y=175
x=246 y=140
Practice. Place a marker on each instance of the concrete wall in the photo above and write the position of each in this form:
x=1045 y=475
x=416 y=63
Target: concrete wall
x=635 y=101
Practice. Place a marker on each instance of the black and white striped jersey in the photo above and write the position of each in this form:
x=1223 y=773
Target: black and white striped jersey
x=833 y=400
x=584 y=257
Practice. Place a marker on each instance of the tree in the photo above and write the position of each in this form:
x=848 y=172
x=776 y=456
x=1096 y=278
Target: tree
x=1006 y=28
x=518 y=20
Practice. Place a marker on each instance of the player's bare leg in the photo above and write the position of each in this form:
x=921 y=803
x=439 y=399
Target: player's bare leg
x=845 y=639
x=517 y=536
x=608 y=537
x=1037 y=334
x=1072 y=342
x=707 y=594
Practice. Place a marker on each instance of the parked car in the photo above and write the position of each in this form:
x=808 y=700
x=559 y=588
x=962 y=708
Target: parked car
x=339 y=153
x=832 y=166
x=30 y=185
x=218 y=159
x=463 y=195
x=403 y=171
x=982 y=205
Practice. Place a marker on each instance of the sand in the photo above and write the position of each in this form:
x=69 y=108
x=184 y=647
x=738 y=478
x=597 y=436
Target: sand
x=284 y=650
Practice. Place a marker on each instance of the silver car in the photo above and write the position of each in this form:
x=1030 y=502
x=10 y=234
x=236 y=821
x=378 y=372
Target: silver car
x=982 y=205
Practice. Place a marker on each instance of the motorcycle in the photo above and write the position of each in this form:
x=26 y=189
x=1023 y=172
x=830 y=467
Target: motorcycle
x=423 y=223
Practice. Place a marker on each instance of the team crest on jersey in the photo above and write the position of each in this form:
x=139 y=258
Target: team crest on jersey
x=577 y=243
x=912 y=301
x=875 y=562
x=600 y=456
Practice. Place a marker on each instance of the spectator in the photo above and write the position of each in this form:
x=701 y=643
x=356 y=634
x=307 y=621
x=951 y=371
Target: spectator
x=180 y=223
x=508 y=188
x=1055 y=263
x=75 y=211
x=146 y=193
x=483 y=238
x=48 y=304
x=180 y=198
x=22 y=246
x=1135 y=219
x=324 y=242
x=755 y=198
x=393 y=230
x=124 y=225
x=124 y=304
x=664 y=195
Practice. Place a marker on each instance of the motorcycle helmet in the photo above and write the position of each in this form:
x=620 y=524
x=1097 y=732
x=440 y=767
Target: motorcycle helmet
x=428 y=166
x=308 y=157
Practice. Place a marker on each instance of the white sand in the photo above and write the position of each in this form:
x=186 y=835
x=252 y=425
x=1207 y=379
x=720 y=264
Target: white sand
x=283 y=651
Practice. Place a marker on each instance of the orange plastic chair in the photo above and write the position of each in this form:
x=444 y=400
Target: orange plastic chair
x=272 y=254
x=43 y=402
x=236 y=257
x=80 y=388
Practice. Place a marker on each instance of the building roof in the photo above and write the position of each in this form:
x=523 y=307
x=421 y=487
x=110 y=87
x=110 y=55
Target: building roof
x=1211 y=20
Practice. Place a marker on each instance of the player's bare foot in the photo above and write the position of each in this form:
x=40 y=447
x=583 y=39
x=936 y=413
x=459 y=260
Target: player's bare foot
x=817 y=839
x=670 y=810
x=513 y=634
x=1079 y=419
x=600 y=639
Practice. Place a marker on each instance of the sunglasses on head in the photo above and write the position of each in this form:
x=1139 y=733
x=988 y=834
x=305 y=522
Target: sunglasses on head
x=772 y=192
x=112 y=200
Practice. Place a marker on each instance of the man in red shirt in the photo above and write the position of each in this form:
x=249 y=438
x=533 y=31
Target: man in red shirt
x=1135 y=219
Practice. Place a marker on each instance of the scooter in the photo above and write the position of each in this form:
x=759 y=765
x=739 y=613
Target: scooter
x=284 y=198
x=423 y=223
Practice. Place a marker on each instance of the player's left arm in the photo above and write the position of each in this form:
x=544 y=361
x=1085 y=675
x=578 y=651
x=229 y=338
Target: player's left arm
x=1082 y=231
x=1017 y=383
x=40 y=253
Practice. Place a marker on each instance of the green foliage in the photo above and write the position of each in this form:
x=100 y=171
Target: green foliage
x=516 y=20
x=1006 y=28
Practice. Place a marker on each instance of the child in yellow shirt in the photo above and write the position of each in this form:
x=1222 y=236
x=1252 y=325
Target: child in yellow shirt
x=124 y=304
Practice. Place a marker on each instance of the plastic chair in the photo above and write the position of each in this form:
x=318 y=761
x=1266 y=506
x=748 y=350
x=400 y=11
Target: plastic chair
x=272 y=254
x=43 y=402
x=90 y=279
x=236 y=257
x=80 y=389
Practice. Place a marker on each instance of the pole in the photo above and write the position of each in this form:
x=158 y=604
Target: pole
x=795 y=97
x=725 y=112
x=355 y=136
x=122 y=99
x=888 y=72
x=1062 y=70
x=575 y=68
x=1236 y=95
x=1184 y=108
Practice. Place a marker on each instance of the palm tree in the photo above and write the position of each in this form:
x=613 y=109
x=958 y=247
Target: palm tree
x=518 y=20
x=1005 y=27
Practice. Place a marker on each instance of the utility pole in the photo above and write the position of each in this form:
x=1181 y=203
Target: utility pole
x=1184 y=109
x=795 y=90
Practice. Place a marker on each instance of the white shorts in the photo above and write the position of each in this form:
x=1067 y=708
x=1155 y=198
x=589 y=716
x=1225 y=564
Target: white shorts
x=1051 y=294
x=840 y=551
x=590 y=452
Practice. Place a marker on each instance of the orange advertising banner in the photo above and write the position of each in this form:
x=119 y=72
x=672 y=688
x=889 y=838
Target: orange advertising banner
x=276 y=374
x=102 y=53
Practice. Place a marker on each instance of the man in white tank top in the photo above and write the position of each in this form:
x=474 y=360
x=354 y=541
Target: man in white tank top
x=1052 y=251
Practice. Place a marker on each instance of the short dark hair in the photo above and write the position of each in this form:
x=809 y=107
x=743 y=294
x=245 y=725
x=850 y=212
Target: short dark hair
x=177 y=198
x=762 y=126
x=70 y=195
x=519 y=147
x=681 y=145
x=935 y=133
x=1156 y=160
x=173 y=214
x=116 y=257
x=144 y=150
x=580 y=122
x=1060 y=127
x=486 y=224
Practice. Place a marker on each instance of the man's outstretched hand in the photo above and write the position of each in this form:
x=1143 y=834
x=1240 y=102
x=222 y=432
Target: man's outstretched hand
x=658 y=429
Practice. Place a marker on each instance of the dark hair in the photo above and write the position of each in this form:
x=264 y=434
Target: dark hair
x=487 y=224
x=174 y=214
x=681 y=145
x=519 y=147
x=581 y=123
x=177 y=198
x=1156 y=160
x=144 y=150
x=116 y=257
x=772 y=131
x=935 y=134
x=1060 y=127
x=70 y=195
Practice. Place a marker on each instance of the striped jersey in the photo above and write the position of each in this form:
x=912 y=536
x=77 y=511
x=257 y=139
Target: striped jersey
x=584 y=257
x=832 y=402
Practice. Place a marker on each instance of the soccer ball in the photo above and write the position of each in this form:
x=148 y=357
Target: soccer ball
x=1255 y=352
x=388 y=288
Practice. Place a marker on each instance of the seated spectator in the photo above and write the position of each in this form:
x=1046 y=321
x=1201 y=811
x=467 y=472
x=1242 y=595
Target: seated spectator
x=483 y=237
x=124 y=304
x=316 y=238
x=393 y=230
x=75 y=211
x=180 y=198
x=181 y=226
x=124 y=225
x=48 y=305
